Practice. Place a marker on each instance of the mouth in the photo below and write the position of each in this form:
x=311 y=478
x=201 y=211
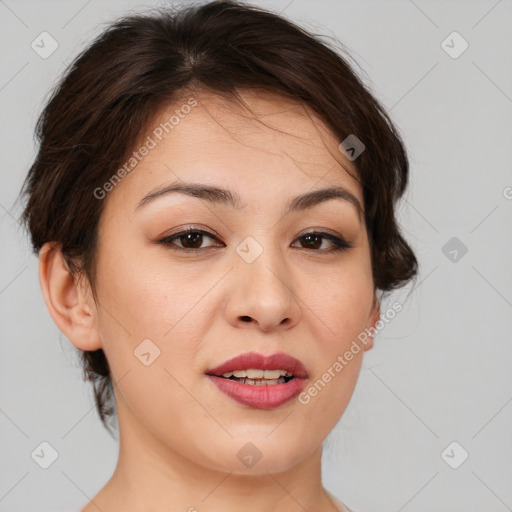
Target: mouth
x=259 y=381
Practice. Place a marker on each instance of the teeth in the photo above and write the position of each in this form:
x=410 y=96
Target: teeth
x=263 y=382
x=253 y=373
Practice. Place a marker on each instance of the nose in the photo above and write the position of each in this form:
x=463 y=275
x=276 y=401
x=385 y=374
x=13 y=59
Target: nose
x=262 y=294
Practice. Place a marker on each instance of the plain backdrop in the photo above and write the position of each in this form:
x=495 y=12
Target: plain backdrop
x=429 y=426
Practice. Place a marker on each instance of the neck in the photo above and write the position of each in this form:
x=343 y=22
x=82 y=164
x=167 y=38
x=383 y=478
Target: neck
x=152 y=477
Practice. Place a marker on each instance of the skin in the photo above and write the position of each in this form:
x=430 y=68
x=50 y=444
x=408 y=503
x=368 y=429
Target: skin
x=179 y=435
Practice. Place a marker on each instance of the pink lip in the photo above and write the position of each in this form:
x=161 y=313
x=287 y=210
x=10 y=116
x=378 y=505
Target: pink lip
x=277 y=361
x=265 y=396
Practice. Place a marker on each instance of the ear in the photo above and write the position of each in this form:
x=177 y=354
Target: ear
x=374 y=318
x=68 y=300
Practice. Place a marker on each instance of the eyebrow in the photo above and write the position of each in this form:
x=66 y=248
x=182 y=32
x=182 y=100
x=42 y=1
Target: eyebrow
x=217 y=195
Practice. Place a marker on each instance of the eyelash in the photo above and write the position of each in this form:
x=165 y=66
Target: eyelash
x=340 y=243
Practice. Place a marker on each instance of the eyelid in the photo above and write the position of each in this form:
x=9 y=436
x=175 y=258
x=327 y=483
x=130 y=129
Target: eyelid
x=319 y=230
x=192 y=228
x=184 y=230
x=339 y=241
x=326 y=233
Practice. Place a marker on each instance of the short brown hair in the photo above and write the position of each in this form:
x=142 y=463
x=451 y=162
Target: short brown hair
x=142 y=62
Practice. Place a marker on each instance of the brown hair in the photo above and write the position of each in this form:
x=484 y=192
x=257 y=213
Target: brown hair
x=139 y=63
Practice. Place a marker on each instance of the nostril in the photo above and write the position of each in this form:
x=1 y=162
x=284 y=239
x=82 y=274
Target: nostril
x=246 y=318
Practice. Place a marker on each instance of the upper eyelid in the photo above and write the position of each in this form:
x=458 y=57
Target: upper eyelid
x=213 y=234
x=185 y=231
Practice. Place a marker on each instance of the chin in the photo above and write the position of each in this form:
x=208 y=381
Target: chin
x=258 y=454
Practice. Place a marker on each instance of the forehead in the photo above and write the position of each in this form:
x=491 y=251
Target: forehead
x=264 y=122
x=271 y=145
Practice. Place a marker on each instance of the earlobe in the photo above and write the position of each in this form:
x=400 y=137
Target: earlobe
x=67 y=301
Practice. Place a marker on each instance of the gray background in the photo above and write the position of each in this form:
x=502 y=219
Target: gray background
x=440 y=371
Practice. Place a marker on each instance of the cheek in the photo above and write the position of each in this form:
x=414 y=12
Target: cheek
x=339 y=308
x=146 y=297
x=158 y=315
x=337 y=367
x=341 y=300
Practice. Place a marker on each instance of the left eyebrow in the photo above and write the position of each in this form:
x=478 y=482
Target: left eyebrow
x=226 y=197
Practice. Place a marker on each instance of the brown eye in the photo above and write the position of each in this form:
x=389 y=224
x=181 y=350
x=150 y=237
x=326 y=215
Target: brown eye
x=189 y=240
x=312 y=241
x=315 y=239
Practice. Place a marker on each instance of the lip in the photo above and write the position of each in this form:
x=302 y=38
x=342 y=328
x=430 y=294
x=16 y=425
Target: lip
x=264 y=396
x=277 y=361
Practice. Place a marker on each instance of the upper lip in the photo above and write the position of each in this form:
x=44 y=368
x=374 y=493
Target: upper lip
x=276 y=361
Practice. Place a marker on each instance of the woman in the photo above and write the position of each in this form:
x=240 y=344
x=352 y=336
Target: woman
x=213 y=206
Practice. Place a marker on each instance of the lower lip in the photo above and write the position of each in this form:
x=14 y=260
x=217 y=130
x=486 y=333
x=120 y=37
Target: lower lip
x=259 y=397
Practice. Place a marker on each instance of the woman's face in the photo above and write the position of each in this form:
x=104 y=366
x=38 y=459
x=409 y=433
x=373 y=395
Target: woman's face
x=251 y=281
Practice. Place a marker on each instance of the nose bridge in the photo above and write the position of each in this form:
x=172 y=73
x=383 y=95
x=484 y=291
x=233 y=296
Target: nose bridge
x=264 y=261
x=264 y=288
